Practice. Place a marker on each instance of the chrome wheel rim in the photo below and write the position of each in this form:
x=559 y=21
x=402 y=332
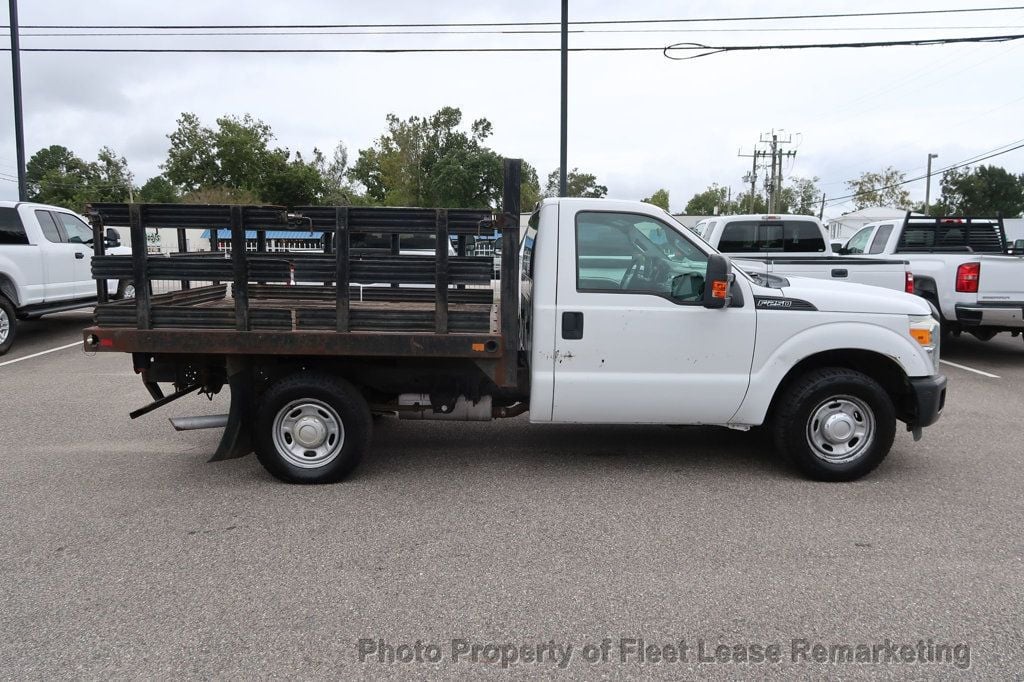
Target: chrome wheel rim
x=308 y=433
x=840 y=429
x=129 y=291
x=5 y=325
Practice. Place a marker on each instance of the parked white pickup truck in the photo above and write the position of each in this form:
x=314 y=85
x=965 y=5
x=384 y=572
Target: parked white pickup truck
x=45 y=264
x=797 y=245
x=961 y=265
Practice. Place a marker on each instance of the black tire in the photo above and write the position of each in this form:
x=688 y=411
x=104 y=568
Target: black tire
x=324 y=401
x=9 y=320
x=856 y=400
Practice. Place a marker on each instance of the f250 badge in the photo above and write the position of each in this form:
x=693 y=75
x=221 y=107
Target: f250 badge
x=774 y=303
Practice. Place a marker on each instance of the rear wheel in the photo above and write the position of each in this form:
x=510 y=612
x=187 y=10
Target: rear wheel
x=125 y=289
x=8 y=325
x=312 y=428
x=835 y=424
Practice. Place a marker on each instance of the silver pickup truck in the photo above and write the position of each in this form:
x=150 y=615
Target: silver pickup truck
x=797 y=245
x=964 y=266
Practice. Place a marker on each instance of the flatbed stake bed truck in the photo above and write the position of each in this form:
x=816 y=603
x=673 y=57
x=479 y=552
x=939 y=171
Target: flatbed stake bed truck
x=609 y=312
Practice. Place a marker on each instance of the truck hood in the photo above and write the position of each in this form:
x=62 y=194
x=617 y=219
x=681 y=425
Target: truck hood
x=846 y=297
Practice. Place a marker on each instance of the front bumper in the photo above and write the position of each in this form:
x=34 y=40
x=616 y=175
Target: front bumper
x=929 y=397
x=999 y=315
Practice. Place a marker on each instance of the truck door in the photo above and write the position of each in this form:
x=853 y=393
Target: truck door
x=59 y=259
x=633 y=342
x=79 y=235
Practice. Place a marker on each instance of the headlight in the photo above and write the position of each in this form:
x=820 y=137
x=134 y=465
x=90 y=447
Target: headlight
x=925 y=330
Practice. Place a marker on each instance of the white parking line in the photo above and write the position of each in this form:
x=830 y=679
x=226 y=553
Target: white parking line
x=43 y=352
x=970 y=369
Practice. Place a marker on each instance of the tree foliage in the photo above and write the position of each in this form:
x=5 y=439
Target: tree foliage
x=235 y=158
x=659 y=198
x=431 y=161
x=986 y=190
x=712 y=201
x=578 y=184
x=800 y=196
x=881 y=188
x=55 y=175
x=158 y=190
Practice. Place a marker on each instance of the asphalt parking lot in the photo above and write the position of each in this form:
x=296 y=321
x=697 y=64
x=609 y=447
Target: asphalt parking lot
x=123 y=553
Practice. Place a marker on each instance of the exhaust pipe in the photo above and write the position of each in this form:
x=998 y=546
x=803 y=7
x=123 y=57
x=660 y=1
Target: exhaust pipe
x=211 y=421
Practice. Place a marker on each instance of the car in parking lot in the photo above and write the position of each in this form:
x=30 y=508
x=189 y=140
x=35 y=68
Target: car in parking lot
x=45 y=264
x=962 y=265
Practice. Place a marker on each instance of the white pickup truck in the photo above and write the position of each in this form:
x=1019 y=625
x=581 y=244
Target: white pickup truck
x=610 y=313
x=45 y=258
x=962 y=266
x=797 y=245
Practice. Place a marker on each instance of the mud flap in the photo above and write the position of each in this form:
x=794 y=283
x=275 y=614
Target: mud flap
x=236 y=440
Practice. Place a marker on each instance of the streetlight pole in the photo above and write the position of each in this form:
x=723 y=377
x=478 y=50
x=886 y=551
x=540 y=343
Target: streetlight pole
x=562 y=185
x=928 y=185
x=19 y=124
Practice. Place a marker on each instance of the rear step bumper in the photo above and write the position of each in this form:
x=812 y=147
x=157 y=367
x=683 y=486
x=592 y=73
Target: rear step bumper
x=1003 y=315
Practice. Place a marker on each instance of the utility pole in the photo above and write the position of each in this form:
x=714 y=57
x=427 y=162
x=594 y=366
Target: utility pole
x=928 y=182
x=751 y=177
x=19 y=124
x=563 y=189
x=821 y=213
x=775 y=181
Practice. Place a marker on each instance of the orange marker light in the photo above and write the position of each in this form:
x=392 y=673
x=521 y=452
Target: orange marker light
x=719 y=288
x=478 y=347
x=922 y=336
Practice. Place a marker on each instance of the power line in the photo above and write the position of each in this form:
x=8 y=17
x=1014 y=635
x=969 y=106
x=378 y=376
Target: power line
x=704 y=50
x=81 y=33
x=485 y=24
x=708 y=50
x=984 y=156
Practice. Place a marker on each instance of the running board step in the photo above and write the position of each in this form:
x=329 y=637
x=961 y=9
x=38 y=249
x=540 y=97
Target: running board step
x=210 y=421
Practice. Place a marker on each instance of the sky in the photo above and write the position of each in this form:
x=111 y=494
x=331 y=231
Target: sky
x=637 y=120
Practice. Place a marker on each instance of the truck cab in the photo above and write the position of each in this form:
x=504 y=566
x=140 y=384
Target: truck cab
x=624 y=328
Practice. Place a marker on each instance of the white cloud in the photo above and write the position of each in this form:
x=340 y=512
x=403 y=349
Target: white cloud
x=637 y=120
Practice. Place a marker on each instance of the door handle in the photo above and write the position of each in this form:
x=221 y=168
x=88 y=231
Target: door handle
x=840 y=272
x=79 y=255
x=572 y=326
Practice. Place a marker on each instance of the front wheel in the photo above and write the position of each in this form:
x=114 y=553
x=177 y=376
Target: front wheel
x=312 y=428
x=835 y=424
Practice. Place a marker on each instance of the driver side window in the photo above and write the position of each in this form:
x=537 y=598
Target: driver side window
x=637 y=254
x=859 y=242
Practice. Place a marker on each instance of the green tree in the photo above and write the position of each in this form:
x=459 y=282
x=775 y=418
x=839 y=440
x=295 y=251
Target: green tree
x=986 y=190
x=712 y=201
x=158 y=190
x=235 y=159
x=431 y=161
x=800 y=196
x=659 y=198
x=530 y=193
x=55 y=175
x=744 y=204
x=192 y=158
x=882 y=188
x=577 y=185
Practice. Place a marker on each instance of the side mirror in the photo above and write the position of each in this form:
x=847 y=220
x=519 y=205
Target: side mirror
x=112 y=237
x=837 y=247
x=718 y=282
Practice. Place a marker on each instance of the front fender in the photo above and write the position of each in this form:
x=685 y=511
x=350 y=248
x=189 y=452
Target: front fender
x=774 y=357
